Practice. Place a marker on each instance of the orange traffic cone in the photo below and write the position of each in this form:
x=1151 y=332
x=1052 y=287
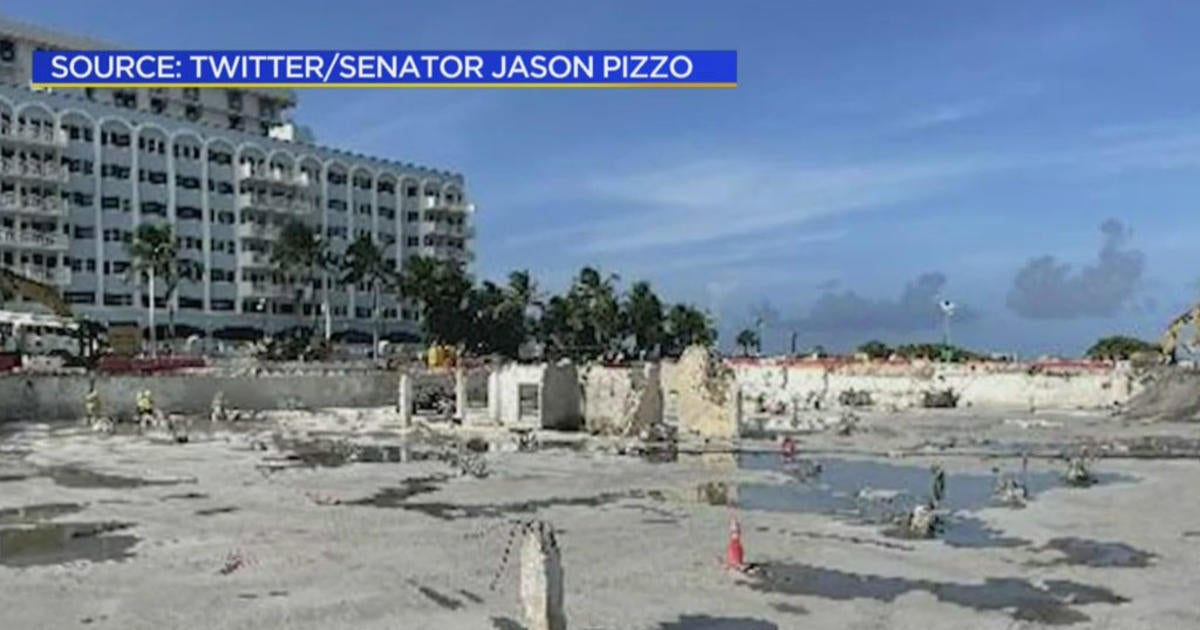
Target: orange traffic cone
x=735 y=555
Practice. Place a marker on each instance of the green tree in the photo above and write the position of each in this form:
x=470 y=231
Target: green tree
x=302 y=258
x=598 y=310
x=642 y=313
x=364 y=263
x=1119 y=347
x=686 y=326
x=154 y=260
x=875 y=349
x=748 y=341
x=443 y=292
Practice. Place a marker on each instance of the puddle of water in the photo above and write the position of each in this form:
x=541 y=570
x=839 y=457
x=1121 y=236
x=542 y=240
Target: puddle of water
x=8 y=478
x=704 y=622
x=790 y=609
x=184 y=495
x=322 y=453
x=58 y=543
x=451 y=511
x=1092 y=553
x=449 y=603
x=36 y=513
x=1050 y=604
x=73 y=477
x=396 y=496
x=216 y=510
x=505 y=623
x=881 y=493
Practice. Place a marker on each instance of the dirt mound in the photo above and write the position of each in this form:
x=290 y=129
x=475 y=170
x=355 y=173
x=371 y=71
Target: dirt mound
x=1170 y=394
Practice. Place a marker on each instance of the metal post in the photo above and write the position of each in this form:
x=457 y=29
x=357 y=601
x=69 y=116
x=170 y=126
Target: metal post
x=153 y=332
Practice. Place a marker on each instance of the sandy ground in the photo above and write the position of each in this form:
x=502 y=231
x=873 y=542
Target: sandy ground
x=132 y=531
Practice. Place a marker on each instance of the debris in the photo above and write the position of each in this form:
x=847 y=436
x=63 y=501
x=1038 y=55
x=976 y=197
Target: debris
x=923 y=521
x=234 y=561
x=542 y=580
x=217 y=411
x=940 y=399
x=855 y=398
x=1009 y=491
x=1033 y=424
x=1078 y=474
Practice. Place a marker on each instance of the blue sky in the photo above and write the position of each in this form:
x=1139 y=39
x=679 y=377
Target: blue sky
x=876 y=157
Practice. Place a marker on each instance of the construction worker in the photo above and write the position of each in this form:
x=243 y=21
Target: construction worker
x=145 y=407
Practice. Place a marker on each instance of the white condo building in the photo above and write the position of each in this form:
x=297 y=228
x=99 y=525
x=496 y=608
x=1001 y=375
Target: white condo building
x=80 y=169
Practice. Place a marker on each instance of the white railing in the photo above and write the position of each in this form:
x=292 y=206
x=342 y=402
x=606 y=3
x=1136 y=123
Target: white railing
x=33 y=170
x=257 y=231
x=30 y=238
x=273 y=174
x=32 y=203
x=262 y=289
x=60 y=276
x=48 y=136
x=253 y=259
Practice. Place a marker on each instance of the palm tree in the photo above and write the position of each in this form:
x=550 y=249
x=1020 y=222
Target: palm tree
x=444 y=291
x=303 y=257
x=688 y=326
x=643 y=315
x=747 y=340
x=154 y=254
x=364 y=262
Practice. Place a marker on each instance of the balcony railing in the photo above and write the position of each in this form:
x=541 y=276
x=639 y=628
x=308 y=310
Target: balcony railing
x=30 y=169
x=254 y=259
x=59 y=276
x=273 y=175
x=275 y=204
x=33 y=240
x=249 y=288
x=33 y=204
x=257 y=231
x=38 y=136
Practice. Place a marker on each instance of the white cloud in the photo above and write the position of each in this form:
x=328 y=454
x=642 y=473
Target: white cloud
x=702 y=201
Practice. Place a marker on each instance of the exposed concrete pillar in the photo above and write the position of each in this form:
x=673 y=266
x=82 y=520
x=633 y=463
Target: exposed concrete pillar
x=542 y=582
x=460 y=393
x=404 y=404
x=493 y=397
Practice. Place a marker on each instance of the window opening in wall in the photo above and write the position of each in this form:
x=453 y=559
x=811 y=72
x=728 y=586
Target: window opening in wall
x=528 y=396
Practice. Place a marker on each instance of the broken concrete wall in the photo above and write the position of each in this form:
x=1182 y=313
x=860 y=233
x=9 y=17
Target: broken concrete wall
x=58 y=397
x=775 y=388
x=562 y=407
x=622 y=400
x=704 y=395
x=535 y=396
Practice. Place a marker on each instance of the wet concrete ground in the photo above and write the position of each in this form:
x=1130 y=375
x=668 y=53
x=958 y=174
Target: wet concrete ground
x=316 y=521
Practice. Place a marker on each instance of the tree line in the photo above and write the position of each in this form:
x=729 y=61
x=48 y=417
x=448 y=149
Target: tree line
x=593 y=318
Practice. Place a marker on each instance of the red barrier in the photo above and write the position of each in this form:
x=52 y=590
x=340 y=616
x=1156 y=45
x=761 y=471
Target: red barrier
x=122 y=365
x=9 y=362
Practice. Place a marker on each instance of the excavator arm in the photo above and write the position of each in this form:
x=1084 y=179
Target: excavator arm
x=1170 y=339
x=39 y=292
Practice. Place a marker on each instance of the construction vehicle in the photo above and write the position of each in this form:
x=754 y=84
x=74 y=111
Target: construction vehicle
x=36 y=291
x=1170 y=339
x=87 y=333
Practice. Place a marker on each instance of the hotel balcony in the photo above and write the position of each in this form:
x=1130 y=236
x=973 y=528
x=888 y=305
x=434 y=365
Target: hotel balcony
x=257 y=231
x=271 y=203
x=250 y=289
x=254 y=260
x=30 y=136
x=33 y=205
x=30 y=239
x=59 y=276
x=250 y=172
x=30 y=170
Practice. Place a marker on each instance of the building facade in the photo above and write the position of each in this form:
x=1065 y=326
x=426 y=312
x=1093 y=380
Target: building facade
x=80 y=170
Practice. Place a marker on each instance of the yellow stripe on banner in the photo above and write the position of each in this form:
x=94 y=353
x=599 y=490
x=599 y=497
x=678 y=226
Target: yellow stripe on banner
x=429 y=86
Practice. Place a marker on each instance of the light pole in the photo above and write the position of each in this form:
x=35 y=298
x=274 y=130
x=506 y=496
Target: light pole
x=947 y=308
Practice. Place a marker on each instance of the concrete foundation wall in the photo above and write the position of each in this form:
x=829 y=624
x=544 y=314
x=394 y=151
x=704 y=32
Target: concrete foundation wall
x=61 y=397
x=621 y=400
x=903 y=386
x=558 y=396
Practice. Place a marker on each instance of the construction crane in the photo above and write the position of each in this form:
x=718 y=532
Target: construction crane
x=1170 y=339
